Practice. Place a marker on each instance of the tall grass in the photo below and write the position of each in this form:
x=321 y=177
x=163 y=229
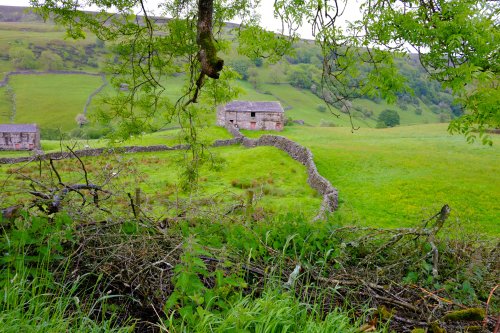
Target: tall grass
x=33 y=302
x=31 y=298
x=276 y=311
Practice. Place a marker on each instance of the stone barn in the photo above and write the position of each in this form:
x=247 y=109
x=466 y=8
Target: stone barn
x=252 y=115
x=19 y=137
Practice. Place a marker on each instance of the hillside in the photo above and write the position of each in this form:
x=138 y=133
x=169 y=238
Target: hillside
x=27 y=43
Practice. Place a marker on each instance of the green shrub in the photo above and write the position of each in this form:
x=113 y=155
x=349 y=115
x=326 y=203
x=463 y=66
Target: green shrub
x=326 y=123
x=389 y=118
x=321 y=108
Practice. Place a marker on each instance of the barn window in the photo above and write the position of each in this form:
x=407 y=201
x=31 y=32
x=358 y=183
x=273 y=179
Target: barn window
x=252 y=114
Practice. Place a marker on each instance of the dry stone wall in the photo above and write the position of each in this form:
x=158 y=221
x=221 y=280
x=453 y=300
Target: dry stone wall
x=91 y=152
x=304 y=156
x=294 y=150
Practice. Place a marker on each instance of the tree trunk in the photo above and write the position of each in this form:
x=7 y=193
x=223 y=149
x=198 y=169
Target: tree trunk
x=211 y=65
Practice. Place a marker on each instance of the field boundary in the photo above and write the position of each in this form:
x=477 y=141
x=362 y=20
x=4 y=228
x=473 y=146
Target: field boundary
x=296 y=151
x=7 y=76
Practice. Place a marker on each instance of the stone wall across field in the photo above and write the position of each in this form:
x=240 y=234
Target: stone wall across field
x=7 y=76
x=91 y=152
x=304 y=156
x=299 y=153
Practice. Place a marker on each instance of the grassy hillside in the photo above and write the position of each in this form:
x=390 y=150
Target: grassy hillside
x=386 y=177
x=399 y=176
x=51 y=101
x=26 y=32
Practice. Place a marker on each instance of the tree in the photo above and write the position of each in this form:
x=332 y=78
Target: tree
x=22 y=57
x=81 y=120
x=388 y=118
x=253 y=77
x=457 y=42
x=51 y=61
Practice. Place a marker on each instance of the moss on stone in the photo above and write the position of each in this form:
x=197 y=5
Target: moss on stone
x=435 y=328
x=472 y=314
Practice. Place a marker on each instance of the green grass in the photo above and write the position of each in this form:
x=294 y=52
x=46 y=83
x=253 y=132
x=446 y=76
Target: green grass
x=386 y=177
x=33 y=303
x=276 y=311
x=280 y=189
x=51 y=100
x=397 y=177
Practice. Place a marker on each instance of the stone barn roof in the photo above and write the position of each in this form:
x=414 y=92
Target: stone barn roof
x=18 y=128
x=245 y=106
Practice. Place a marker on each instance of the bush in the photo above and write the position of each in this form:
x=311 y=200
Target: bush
x=444 y=118
x=435 y=109
x=321 y=108
x=389 y=118
x=418 y=111
x=326 y=123
x=52 y=134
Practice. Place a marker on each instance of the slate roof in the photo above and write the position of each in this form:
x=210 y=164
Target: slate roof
x=242 y=106
x=18 y=128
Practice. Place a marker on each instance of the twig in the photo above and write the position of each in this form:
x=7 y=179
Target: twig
x=485 y=321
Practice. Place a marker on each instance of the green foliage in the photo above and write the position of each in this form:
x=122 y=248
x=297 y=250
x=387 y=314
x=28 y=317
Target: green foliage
x=461 y=41
x=22 y=57
x=301 y=77
x=191 y=299
x=240 y=65
x=321 y=108
x=327 y=123
x=255 y=42
x=275 y=311
x=34 y=240
x=33 y=299
x=51 y=61
x=389 y=118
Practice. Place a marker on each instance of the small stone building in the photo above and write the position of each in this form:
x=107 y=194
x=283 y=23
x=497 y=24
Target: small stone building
x=19 y=137
x=252 y=115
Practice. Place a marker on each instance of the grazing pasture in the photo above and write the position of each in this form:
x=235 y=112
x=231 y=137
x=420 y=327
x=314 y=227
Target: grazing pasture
x=50 y=100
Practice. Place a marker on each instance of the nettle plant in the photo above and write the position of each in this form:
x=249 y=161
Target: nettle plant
x=193 y=298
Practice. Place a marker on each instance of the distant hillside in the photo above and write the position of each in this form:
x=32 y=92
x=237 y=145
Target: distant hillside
x=28 y=43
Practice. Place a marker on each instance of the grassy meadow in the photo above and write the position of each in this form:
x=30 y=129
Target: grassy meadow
x=50 y=100
x=386 y=177
x=399 y=176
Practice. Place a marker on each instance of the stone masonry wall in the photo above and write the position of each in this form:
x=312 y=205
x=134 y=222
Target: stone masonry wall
x=294 y=150
x=91 y=152
x=305 y=157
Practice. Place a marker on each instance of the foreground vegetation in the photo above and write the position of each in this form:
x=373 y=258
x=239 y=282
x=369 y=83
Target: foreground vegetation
x=131 y=242
x=197 y=273
x=218 y=259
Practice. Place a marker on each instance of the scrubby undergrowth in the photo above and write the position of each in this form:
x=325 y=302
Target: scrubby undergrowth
x=280 y=274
